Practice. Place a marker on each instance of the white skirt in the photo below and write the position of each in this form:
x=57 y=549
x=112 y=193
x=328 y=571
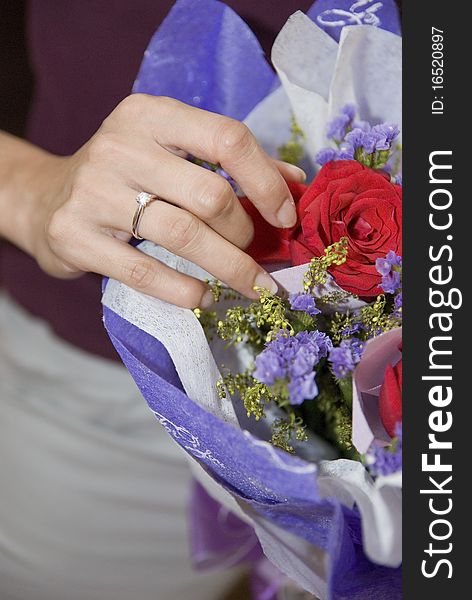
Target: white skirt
x=93 y=493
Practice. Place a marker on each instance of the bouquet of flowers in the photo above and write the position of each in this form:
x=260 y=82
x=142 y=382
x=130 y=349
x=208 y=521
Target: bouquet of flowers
x=289 y=407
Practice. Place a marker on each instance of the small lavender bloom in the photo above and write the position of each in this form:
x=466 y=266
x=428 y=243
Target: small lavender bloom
x=345 y=357
x=385 y=461
x=391 y=282
x=337 y=127
x=293 y=358
x=302 y=388
x=346 y=152
x=269 y=367
x=387 y=131
x=326 y=155
x=362 y=125
x=390 y=269
x=357 y=348
x=352 y=330
x=398 y=301
x=341 y=361
x=383 y=266
x=394 y=258
x=355 y=138
x=370 y=141
x=305 y=303
x=349 y=110
x=318 y=342
x=398 y=179
x=398 y=304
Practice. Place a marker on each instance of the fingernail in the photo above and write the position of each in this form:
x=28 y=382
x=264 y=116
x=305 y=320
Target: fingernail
x=207 y=300
x=287 y=215
x=264 y=280
x=296 y=173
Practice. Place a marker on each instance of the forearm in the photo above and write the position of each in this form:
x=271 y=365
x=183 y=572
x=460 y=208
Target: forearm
x=22 y=173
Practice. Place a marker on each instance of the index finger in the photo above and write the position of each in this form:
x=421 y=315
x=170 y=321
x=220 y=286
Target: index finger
x=230 y=143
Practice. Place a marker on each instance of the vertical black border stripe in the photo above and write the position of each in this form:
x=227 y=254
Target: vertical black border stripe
x=424 y=133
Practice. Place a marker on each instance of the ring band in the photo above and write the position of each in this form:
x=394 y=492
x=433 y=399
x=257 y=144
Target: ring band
x=143 y=199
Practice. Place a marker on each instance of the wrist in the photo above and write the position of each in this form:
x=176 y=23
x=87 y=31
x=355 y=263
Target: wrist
x=24 y=172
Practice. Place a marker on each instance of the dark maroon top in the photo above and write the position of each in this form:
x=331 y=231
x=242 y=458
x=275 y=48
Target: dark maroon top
x=85 y=55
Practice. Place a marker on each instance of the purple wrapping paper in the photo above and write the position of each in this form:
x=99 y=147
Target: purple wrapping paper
x=218 y=538
x=205 y=55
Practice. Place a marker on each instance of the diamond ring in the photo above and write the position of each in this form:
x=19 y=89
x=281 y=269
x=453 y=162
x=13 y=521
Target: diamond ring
x=142 y=199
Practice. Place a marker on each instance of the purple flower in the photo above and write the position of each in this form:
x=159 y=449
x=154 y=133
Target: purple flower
x=351 y=330
x=369 y=142
x=326 y=155
x=349 y=110
x=358 y=140
x=398 y=304
x=346 y=152
x=390 y=268
x=305 y=303
x=398 y=300
x=293 y=358
x=394 y=259
x=383 y=266
x=386 y=133
x=391 y=282
x=345 y=357
x=355 y=138
x=303 y=388
x=387 y=460
x=337 y=128
x=363 y=125
x=371 y=139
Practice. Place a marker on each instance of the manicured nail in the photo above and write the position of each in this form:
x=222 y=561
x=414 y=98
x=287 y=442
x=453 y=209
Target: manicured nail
x=207 y=300
x=287 y=215
x=264 y=280
x=296 y=173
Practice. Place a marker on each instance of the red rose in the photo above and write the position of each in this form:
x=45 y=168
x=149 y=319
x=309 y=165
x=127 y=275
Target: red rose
x=390 y=399
x=351 y=200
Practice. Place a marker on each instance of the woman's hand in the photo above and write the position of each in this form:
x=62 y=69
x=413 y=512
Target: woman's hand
x=78 y=213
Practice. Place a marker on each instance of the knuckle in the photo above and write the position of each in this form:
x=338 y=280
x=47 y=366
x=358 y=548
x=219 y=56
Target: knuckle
x=64 y=228
x=190 y=292
x=165 y=104
x=184 y=233
x=80 y=192
x=216 y=199
x=236 y=138
x=131 y=106
x=57 y=228
x=104 y=146
x=141 y=274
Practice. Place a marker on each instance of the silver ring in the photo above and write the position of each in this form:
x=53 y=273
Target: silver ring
x=143 y=199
